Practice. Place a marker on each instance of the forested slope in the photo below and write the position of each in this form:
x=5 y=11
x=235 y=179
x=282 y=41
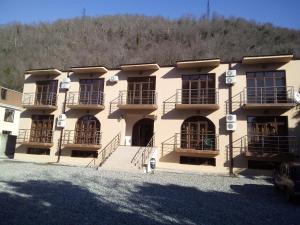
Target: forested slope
x=115 y=40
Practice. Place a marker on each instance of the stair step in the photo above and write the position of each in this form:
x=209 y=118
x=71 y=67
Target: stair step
x=121 y=159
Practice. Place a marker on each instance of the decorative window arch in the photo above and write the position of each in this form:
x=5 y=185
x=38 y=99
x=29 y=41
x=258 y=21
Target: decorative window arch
x=198 y=132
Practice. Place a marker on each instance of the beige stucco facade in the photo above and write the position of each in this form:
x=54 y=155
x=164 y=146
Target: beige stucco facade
x=167 y=119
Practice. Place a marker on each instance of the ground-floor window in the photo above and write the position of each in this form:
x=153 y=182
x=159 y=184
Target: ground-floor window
x=38 y=151
x=197 y=161
x=84 y=154
x=262 y=165
x=6 y=132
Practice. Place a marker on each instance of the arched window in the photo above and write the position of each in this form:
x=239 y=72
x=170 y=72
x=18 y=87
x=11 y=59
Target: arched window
x=87 y=130
x=198 y=132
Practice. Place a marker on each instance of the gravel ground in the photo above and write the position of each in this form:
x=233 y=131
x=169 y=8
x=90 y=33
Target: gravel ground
x=48 y=194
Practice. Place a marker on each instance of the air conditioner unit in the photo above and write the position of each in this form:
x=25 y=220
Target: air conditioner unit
x=230 y=118
x=61 y=123
x=62 y=117
x=114 y=79
x=230 y=126
x=230 y=73
x=65 y=84
x=230 y=80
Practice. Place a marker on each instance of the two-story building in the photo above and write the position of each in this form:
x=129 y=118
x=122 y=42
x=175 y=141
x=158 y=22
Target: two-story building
x=179 y=109
x=10 y=110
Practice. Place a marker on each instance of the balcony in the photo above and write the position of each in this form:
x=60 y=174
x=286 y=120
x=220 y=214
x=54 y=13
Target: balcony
x=268 y=98
x=138 y=99
x=86 y=100
x=35 y=138
x=193 y=144
x=270 y=147
x=267 y=147
x=197 y=99
x=42 y=101
x=83 y=139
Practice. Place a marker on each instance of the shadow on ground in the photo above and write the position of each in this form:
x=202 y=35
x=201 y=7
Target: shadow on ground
x=43 y=202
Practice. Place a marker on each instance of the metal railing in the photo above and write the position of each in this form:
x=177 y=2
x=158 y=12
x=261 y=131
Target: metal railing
x=109 y=149
x=147 y=97
x=82 y=136
x=85 y=98
x=35 y=135
x=197 y=141
x=266 y=144
x=268 y=95
x=197 y=96
x=32 y=99
x=271 y=144
x=143 y=153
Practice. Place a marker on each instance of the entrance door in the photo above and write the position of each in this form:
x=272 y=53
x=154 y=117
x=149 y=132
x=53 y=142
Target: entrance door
x=87 y=130
x=142 y=132
x=41 y=129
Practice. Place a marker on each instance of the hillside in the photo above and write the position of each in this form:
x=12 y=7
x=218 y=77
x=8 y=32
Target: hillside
x=115 y=40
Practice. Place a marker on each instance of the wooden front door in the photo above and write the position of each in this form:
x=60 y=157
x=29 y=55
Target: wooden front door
x=198 y=89
x=87 y=130
x=41 y=129
x=141 y=90
x=91 y=91
x=46 y=92
x=197 y=134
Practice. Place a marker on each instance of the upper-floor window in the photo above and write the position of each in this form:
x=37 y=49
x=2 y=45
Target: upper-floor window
x=266 y=79
x=91 y=91
x=3 y=93
x=266 y=87
x=9 y=115
x=141 y=90
x=46 y=92
x=198 y=89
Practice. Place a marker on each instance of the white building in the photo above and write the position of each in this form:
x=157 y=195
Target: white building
x=10 y=110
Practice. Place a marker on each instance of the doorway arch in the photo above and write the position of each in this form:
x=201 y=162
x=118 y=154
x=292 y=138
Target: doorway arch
x=142 y=132
x=87 y=130
x=198 y=132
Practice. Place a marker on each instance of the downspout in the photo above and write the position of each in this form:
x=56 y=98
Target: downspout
x=62 y=129
x=230 y=132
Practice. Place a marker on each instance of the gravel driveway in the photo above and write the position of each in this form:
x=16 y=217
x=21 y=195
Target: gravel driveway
x=48 y=194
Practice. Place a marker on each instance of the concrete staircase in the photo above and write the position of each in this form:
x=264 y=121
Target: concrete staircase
x=120 y=160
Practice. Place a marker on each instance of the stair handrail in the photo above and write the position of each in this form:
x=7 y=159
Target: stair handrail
x=110 y=147
x=140 y=151
x=147 y=150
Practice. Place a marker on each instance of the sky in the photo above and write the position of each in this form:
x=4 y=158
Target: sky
x=283 y=13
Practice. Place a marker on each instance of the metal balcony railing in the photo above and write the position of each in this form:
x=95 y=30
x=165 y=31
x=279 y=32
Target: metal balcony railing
x=35 y=136
x=140 y=97
x=38 y=99
x=271 y=144
x=82 y=137
x=197 y=141
x=197 y=96
x=85 y=98
x=268 y=95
